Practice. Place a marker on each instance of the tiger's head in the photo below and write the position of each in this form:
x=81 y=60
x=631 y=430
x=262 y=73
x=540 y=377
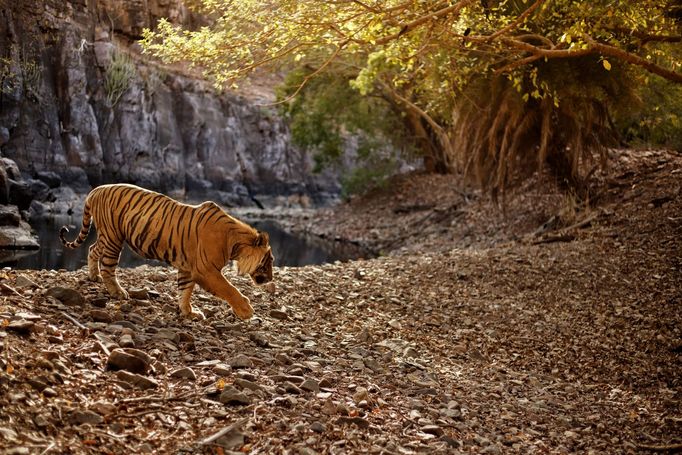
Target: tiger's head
x=256 y=259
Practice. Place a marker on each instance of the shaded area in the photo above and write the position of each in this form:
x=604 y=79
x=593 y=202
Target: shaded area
x=289 y=250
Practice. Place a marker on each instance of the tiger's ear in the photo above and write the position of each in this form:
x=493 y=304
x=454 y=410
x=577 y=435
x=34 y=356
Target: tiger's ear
x=262 y=239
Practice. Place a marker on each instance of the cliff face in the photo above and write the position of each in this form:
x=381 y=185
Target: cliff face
x=159 y=129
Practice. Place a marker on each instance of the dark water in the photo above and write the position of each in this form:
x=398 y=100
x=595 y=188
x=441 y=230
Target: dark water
x=288 y=249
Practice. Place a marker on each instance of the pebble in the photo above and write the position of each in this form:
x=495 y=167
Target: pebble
x=222 y=370
x=246 y=384
x=25 y=282
x=240 y=361
x=139 y=294
x=279 y=314
x=49 y=392
x=357 y=421
x=167 y=334
x=85 y=417
x=310 y=385
x=21 y=326
x=292 y=388
x=136 y=380
x=433 y=429
x=230 y=395
x=318 y=427
x=129 y=359
x=126 y=341
x=259 y=339
x=184 y=373
x=67 y=296
x=99 y=302
x=99 y=316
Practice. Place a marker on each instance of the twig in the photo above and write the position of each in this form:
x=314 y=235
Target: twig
x=661 y=448
x=74 y=320
x=583 y=223
x=223 y=432
x=52 y=444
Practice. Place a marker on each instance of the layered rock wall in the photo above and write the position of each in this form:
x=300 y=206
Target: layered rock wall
x=163 y=130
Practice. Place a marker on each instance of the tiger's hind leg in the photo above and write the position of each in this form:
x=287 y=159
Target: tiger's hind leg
x=186 y=286
x=111 y=253
x=94 y=255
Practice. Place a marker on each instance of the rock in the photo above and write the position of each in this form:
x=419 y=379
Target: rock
x=279 y=314
x=222 y=369
x=230 y=395
x=184 y=373
x=49 y=392
x=21 y=326
x=104 y=408
x=126 y=341
x=259 y=339
x=9 y=216
x=231 y=439
x=240 y=361
x=310 y=385
x=67 y=296
x=139 y=294
x=292 y=388
x=99 y=302
x=18 y=237
x=318 y=427
x=51 y=179
x=410 y=352
x=24 y=282
x=99 y=316
x=167 y=334
x=360 y=394
x=246 y=384
x=129 y=359
x=357 y=421
x=432 y=429
x=137 y=380
x=85 y=417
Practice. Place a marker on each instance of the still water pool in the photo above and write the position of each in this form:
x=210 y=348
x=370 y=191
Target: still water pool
x=289 y=250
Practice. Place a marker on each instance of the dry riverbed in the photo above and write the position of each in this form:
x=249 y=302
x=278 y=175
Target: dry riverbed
x=478 y=332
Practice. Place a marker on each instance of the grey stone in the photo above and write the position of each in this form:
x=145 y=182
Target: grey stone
x=67 y=296
x=184 y=373
x=129 y=359
x=85 y=417
x=310 y=385
x=137 y=380
x=230 y=395
x=241 y=361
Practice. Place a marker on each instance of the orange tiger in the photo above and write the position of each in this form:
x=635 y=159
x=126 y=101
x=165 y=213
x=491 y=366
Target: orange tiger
x=198 y=240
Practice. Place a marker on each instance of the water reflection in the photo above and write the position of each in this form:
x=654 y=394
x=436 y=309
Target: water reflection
x=289 y=250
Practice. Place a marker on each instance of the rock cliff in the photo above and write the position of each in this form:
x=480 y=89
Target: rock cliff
x=78 y=99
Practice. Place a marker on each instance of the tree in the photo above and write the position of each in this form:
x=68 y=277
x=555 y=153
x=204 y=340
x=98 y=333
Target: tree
x=488 y=87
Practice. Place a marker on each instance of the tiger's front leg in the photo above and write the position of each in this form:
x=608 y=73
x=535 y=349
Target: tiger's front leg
x=186 y=286
x=215 y=283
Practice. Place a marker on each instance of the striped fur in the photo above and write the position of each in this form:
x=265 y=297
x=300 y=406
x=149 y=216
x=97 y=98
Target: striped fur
x=198 y=240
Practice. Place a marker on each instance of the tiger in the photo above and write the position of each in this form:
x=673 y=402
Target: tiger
x=198 y=240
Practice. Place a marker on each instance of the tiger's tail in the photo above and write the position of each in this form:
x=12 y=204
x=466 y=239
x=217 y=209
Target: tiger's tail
x=83 y=234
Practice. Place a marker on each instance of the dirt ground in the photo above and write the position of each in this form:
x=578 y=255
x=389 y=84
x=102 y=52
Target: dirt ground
x=549 y=327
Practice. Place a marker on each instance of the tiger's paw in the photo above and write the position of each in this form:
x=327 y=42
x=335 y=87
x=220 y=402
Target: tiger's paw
x=196 y=314
x=120 y=294
x=96 y=278
x=243 y=310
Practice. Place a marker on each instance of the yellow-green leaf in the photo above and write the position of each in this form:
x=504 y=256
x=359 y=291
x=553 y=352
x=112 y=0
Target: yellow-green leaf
x=606 y=64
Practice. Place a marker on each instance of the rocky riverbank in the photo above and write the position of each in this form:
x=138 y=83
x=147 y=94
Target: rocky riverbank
x=518 y=336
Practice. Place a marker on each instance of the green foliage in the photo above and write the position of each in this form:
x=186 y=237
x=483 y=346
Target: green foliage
x=552 y=71
x=119 y=74
x=657 y=117
x=374 y=172
x=327 y=111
